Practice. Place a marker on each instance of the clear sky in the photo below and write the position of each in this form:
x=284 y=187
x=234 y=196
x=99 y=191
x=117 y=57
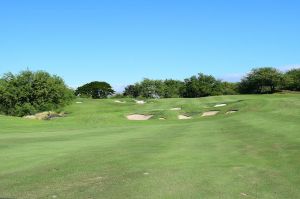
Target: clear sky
x=122 y=41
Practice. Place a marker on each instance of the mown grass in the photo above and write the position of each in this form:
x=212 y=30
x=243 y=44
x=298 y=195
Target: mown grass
x=95 y=152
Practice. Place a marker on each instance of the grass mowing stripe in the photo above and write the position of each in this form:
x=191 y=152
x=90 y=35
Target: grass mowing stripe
x=95 y=152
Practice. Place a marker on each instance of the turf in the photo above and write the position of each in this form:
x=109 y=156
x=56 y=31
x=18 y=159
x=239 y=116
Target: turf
x=95 y=152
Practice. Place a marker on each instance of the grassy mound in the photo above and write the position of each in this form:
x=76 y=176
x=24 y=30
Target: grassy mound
x=96 y=152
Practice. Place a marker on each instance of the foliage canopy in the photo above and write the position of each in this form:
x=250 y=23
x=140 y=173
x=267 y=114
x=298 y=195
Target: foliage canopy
x=30 y=92
x=261 y=80
x=292 y=80
x=95 y=90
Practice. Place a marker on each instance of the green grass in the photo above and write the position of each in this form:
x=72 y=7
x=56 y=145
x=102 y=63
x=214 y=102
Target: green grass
x=95 y=152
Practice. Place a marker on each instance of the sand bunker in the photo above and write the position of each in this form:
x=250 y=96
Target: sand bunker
x=48 y=115
x=140 y=101
x=220 y=105
x=139 y=117
x=175 y=109
x=209 y=113
x=162 y=118
x=232 y=111
x=184 y=117
x=121 y=102
x=78 y=102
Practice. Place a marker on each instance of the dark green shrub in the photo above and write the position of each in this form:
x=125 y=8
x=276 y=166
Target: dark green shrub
x=292 y=80
x=132 y=91
x=201 y=86
x=31 y=92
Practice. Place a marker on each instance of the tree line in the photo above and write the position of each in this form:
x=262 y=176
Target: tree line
x=257 y=81
x=31 y=92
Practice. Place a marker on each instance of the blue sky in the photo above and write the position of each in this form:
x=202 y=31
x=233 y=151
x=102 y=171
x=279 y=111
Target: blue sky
x=123 y=41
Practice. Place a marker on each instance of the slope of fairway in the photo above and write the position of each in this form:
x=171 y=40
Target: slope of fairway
x=95 y=152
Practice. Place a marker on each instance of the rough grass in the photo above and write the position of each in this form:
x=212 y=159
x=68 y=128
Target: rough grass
x=95 y=152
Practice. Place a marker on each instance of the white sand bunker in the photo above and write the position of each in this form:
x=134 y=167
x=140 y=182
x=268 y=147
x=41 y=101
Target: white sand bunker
x=121 y=102
x=140 y=101
x=184 y=117
x=175 y=109
x=231 y=111
x=139 y=117
x=220 y=105
x=209 y=113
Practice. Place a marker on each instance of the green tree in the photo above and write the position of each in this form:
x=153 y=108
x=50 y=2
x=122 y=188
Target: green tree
x=132 y=91
x=31 y=92
x=201 y=86
x=229 y=88
x=172 y=88
x=95 y=90
x=292 y=80
x=261 y=80
x=154 y=89
x=151 y=88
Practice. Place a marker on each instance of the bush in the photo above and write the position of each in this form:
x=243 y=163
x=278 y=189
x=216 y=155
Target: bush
x=132 y=91
x=229 y=88
x=151 y=88
x=172 y=88
x=30 y=92
x=292 y=80
x=201 y=86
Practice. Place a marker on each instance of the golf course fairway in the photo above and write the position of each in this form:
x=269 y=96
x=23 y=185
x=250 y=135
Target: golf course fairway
x=96 y=152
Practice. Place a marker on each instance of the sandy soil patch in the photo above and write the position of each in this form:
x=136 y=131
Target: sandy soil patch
x=175 y=109
x=220 y=105
x=138 y=117
x=209 y=113
x=231 y=111
x=48 y=115
x=184 y=117
x=121 y=102
x=140 y=101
